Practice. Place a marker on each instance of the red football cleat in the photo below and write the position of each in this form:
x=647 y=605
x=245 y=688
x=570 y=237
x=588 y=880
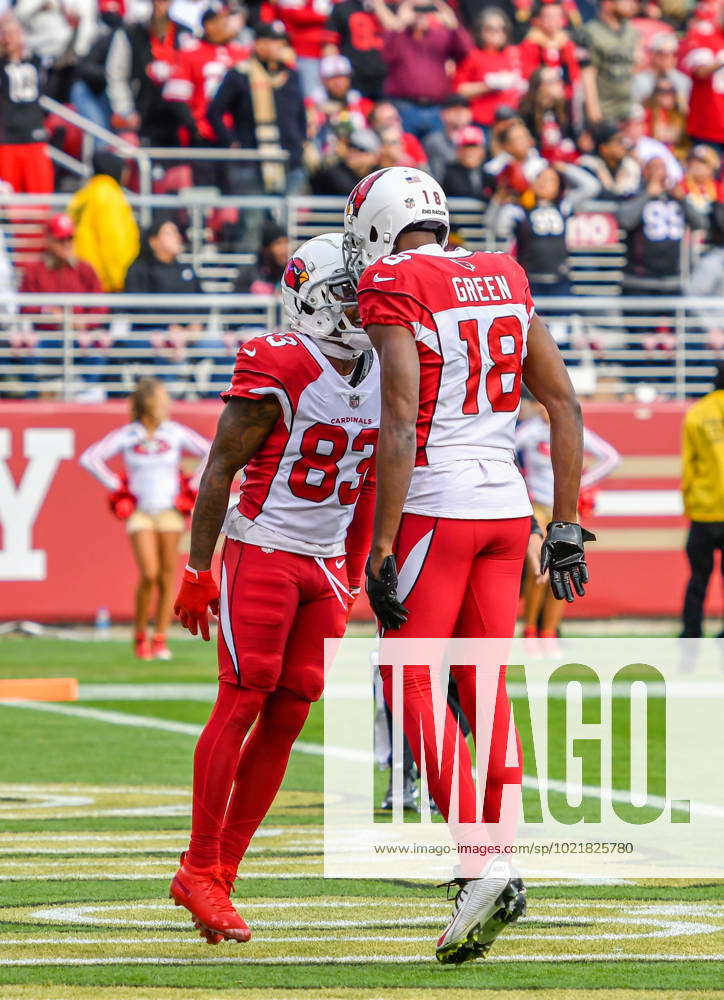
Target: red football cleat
x=205 y=894
x=142 y=648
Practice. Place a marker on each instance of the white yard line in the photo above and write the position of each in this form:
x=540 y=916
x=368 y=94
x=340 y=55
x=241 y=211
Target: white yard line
x=318 y=750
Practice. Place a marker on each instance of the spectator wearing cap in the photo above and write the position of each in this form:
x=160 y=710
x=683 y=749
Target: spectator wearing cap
x=424 y=38
x=262 y=97
x=703 y=61
x=607 y=54
x=611 y=162
x=465 y=176
x=336 y=105
x=305 y=22
x=548 y=44
x=60 y=271
x=441 y=145
x=106 y=234
x=492 y=74
x=354 y=29
x=663 y=49
x=356 y=157
x=24 y=161
x=546 y=112
x=141 y=58
x=385 y=116
x=197 y=72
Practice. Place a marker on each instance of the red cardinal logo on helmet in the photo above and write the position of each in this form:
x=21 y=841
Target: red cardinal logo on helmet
x=296 y=273
x=360 y=192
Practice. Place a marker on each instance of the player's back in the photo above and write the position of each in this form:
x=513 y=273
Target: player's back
x=469 y=313
x=300 y=488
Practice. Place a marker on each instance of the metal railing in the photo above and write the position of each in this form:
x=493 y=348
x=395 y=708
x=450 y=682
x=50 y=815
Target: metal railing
x=75 y=346
x=92 y=346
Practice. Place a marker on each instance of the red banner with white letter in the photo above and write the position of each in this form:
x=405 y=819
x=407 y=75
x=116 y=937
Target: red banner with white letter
x=63 y=555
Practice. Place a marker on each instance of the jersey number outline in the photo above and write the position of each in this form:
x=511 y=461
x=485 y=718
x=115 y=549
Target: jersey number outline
x=312 y=459
x=504 y=363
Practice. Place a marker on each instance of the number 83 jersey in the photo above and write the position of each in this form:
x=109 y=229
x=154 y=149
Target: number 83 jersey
x=301 y=487
x=469 y=314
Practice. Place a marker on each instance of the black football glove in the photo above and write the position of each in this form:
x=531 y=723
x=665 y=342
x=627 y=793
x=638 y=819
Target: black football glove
x=562 y=553
x=382 y=592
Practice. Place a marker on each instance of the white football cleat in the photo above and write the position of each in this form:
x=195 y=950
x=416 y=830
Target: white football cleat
x=483 y=908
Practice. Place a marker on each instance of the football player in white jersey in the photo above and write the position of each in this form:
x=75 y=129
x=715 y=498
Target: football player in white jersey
x=301 y=419
x=455 y=333
x=151 y=498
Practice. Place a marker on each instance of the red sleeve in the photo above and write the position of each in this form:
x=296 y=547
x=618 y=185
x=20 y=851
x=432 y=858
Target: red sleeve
x=275 y=365
x=359 y=533
x=468 y=71
x=388 y=297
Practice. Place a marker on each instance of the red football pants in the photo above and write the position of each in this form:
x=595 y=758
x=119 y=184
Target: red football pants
x=276 y=609
x=461 y=579
x=27 y=167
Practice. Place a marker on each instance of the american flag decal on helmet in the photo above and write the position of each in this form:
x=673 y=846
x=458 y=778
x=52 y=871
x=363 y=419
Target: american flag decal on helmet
x=361 y=190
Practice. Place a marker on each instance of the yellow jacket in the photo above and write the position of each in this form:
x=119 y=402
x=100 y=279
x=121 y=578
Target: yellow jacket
x=106 y=234
x=702 y=482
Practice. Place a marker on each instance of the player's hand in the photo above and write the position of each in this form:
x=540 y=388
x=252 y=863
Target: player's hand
x=351 y=598
x=197 y=596
x=382 y=592
x=564 y=556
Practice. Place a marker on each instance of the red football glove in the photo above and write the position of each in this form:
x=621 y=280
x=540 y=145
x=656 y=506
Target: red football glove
x=587 y=501
x=198 y=595
x=184 y=502
x=121 y=502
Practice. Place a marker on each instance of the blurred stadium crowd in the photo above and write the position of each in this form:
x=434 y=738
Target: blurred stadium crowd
x=534 y=109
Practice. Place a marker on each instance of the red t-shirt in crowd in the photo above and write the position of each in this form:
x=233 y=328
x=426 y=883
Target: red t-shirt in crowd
x=501 y=69
x=704 y=46
x=305 y=21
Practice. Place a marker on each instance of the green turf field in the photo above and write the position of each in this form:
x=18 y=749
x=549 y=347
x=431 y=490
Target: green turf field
x=94 y=809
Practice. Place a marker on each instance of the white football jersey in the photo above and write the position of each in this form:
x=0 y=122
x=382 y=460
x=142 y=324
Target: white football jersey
x=151 y=460
x=301 y=487
x=469 y=314
x=533 y=443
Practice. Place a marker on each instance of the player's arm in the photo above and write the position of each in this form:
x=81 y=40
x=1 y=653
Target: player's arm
x=243 y=427
x=400 y=391
x=545 y=375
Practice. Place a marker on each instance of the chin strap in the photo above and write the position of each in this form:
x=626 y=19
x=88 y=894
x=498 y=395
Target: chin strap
x=340 y=351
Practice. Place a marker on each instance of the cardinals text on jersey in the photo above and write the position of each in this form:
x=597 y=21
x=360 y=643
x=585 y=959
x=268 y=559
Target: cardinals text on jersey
x=469 y=314
x=301 y=487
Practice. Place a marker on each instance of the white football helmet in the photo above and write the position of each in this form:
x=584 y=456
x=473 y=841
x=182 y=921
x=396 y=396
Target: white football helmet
x=316 y=290
x=382 y=205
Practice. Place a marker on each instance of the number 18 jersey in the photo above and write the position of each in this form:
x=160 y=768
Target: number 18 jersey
x=469 y=314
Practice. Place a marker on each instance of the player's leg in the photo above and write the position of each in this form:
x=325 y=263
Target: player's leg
x=258 y=601
x=167 y=543
x=488 y=900
x=145 y=552
x=264 y=758
x=433 y=558
x=700 y=553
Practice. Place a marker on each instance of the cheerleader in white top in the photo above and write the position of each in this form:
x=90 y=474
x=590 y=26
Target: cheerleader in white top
x=532 y=444
x=152 y=498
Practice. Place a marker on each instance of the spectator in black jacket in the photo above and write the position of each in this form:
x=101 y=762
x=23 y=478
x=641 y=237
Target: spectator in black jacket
x=465 y=177
x=140 y=60
x=88 y=90
x=356 y=157
x=275 y=117
x=158 y=271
